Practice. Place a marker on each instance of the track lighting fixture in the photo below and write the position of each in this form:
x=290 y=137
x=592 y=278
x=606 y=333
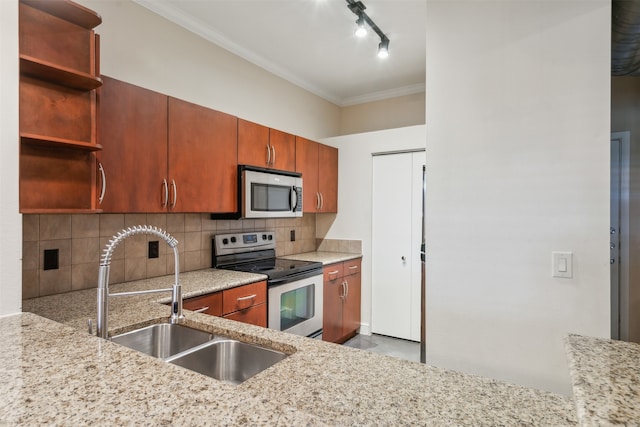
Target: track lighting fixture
x=383 y=48
x=361 y=31
x=357 y=7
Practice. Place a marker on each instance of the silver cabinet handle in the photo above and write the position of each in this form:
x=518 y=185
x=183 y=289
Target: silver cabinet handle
x=165 y=192
x=346 y=286
x=175 y=193
x=321 y=201
x=334 y=272
x=268 y=155
x=353 y=267
x=273 y=158
x=317 y=201
x=344 y=290
x=201 y=310
x=103 y=176
x=246 y=298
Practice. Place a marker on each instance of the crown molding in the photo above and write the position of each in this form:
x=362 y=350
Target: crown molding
x=383 y=94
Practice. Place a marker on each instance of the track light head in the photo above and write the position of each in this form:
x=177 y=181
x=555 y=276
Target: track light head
x=361 y=31
x=383 y=48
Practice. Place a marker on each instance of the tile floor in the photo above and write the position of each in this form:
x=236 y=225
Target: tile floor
x=403 y=349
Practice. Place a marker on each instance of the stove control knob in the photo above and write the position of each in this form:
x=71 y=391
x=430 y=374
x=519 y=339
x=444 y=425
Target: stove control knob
x=233 y=240
x=270 y=237
x=264 y=237
x=225 y=241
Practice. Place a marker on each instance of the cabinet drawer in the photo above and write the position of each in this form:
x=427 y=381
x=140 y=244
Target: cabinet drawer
x=333 y=272
x=213 y=301
x=351 y=267
x=244 y=297
x=256 y=315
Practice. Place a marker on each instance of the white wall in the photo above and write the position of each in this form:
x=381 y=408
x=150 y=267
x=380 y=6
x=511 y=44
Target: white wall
x=353 y=221
x=518 y=136
x=10 y=219
x=145 y=49
x=402 y=111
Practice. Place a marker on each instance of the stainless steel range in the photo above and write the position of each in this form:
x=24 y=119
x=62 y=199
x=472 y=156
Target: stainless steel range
x=294 y=287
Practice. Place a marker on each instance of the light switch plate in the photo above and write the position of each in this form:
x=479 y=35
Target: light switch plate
x=562 y=264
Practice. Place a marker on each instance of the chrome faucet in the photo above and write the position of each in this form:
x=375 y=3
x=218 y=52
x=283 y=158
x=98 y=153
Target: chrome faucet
x=105 y=266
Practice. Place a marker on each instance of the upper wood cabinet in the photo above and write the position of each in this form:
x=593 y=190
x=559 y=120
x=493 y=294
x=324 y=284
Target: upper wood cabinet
x=264 y=147
x=202 y=159
x=58 y=121
x=163 y=154
x=318 y=164
x=133 y=133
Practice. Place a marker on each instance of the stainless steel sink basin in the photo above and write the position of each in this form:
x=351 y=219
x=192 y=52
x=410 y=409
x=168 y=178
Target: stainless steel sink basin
x=163 y=340
x=228 y=360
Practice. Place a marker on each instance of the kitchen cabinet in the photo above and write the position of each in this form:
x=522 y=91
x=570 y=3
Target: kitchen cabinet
x=202 y=152
x=341 y=311
x=264 y=147
x=210 y=304
x=247 y=304
x=133 y=163
x=318 y=164
x=163 y=154
x=59 y=69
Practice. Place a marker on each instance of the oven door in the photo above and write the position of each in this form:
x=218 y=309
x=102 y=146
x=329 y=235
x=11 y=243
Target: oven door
x=296 y=307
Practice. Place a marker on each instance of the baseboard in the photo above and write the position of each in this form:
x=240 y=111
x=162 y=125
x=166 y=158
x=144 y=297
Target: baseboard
x=365 y=329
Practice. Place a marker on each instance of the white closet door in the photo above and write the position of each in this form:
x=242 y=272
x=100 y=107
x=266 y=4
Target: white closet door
x=391 y=246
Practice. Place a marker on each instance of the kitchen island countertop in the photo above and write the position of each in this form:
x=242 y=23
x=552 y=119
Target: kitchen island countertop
x=59 y=374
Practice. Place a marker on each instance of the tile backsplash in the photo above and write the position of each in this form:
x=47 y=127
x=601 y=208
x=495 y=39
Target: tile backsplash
x=80 y=239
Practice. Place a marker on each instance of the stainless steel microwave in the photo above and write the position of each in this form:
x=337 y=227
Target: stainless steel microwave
x=267 y=193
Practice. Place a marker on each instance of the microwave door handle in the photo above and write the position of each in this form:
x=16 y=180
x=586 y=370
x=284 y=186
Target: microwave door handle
x=293 y=198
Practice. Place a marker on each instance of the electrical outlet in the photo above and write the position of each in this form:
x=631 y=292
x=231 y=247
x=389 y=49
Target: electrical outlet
x=51 y=259
x=154 y=249
x=293 y=235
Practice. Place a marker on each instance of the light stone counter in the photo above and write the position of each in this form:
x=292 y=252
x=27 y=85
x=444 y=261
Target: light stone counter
x=323 y=257
x=56 y=374
x=606 y=380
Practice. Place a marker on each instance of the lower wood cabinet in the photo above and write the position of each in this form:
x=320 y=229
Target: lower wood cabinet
x=247 y=304
x=208 y=304
x=341 y=311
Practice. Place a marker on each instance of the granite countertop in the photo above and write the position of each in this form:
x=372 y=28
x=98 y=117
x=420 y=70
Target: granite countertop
x=323 y=257
x=59 y=374
x=606 y=380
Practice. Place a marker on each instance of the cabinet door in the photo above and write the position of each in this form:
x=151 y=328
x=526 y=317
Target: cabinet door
x=255 y=315
x=351 y=309
x=253 y=144
x=332 y=303
x=202 y=159
x=133 y=134
x=243 y=297
x=328 y=178
x=212 y=303
x=307 y=164
x=283 y=150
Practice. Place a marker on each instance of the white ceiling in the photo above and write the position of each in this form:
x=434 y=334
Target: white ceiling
x=311 y=43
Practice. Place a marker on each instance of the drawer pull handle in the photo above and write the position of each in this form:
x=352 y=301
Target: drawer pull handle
x=353 y=267
x=334 y=272
x=201 y=310
x=246 y=298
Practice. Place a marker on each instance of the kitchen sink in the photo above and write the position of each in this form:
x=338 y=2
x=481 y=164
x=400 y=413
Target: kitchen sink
x=163 y=340
x=228 y=360
x=218 y=357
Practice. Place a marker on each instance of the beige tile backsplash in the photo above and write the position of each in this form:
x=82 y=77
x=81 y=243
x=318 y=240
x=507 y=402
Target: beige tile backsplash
x=80 y=239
